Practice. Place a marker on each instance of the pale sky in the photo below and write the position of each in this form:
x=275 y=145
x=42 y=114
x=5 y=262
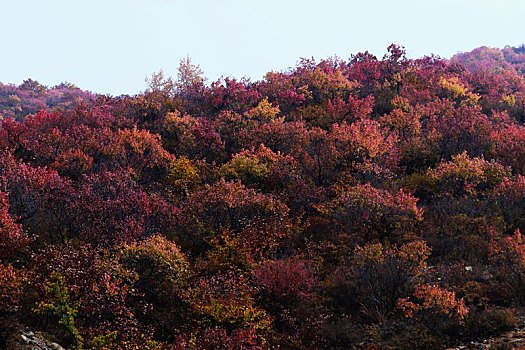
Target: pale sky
x=110 y=46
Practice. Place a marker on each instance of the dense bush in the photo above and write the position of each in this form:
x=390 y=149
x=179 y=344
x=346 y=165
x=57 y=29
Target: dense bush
x=362 y=203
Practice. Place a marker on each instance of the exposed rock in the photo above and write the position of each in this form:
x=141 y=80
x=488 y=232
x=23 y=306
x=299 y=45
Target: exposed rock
x=31 y=341
x=514 y=339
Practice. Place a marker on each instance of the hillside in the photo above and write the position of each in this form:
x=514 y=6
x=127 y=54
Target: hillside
x=30 y=97
x=363 y=203
x=485 y=58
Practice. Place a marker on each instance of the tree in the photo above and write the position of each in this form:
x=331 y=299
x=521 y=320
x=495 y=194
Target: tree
x=373 y=277
x=188 y=75
x=32 y=85
x=228 y=210
x=363 y=213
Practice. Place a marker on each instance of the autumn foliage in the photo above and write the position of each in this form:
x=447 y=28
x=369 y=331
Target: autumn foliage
x=361 y=203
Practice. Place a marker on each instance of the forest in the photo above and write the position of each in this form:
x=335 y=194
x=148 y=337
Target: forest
x=367 y=203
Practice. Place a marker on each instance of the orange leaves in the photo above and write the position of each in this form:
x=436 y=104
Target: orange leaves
x=509 y=253
x=430 y=298
x=365 y=137
x=268 y=214
x=11 y=282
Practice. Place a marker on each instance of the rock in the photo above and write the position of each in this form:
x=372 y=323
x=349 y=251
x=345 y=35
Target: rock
x=31 y=341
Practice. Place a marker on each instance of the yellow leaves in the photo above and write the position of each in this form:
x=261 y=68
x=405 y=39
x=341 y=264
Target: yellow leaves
x=371 y=253
x=227 y=254
x=161 y=85
x=238 y=310
x=248 y=165
x=467 y=175
x=163 y=255
x=183 y=168
x=188 y=74
x=183 y=174
x=228 y=300
x=454 y=86
x=104 y=341
x=410 y=257
x=60 y=307
x=509 y=100
x=326 y=80
x=456 y=90
x=401 y=103
x=264 y=112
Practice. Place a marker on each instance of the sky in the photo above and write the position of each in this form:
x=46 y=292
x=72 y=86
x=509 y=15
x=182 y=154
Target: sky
x=111 y=46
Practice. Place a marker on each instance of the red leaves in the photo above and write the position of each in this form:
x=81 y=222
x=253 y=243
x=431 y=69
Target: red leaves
x=251 y=215
x=39 y=197
x=352 y=109
x=111 y=208
x=452 y=131
x=509 y=147
x=220 y=338
x=512 y=189
x=12 y=238
x=286 y=279
x=233 y=94
x=191 y=137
